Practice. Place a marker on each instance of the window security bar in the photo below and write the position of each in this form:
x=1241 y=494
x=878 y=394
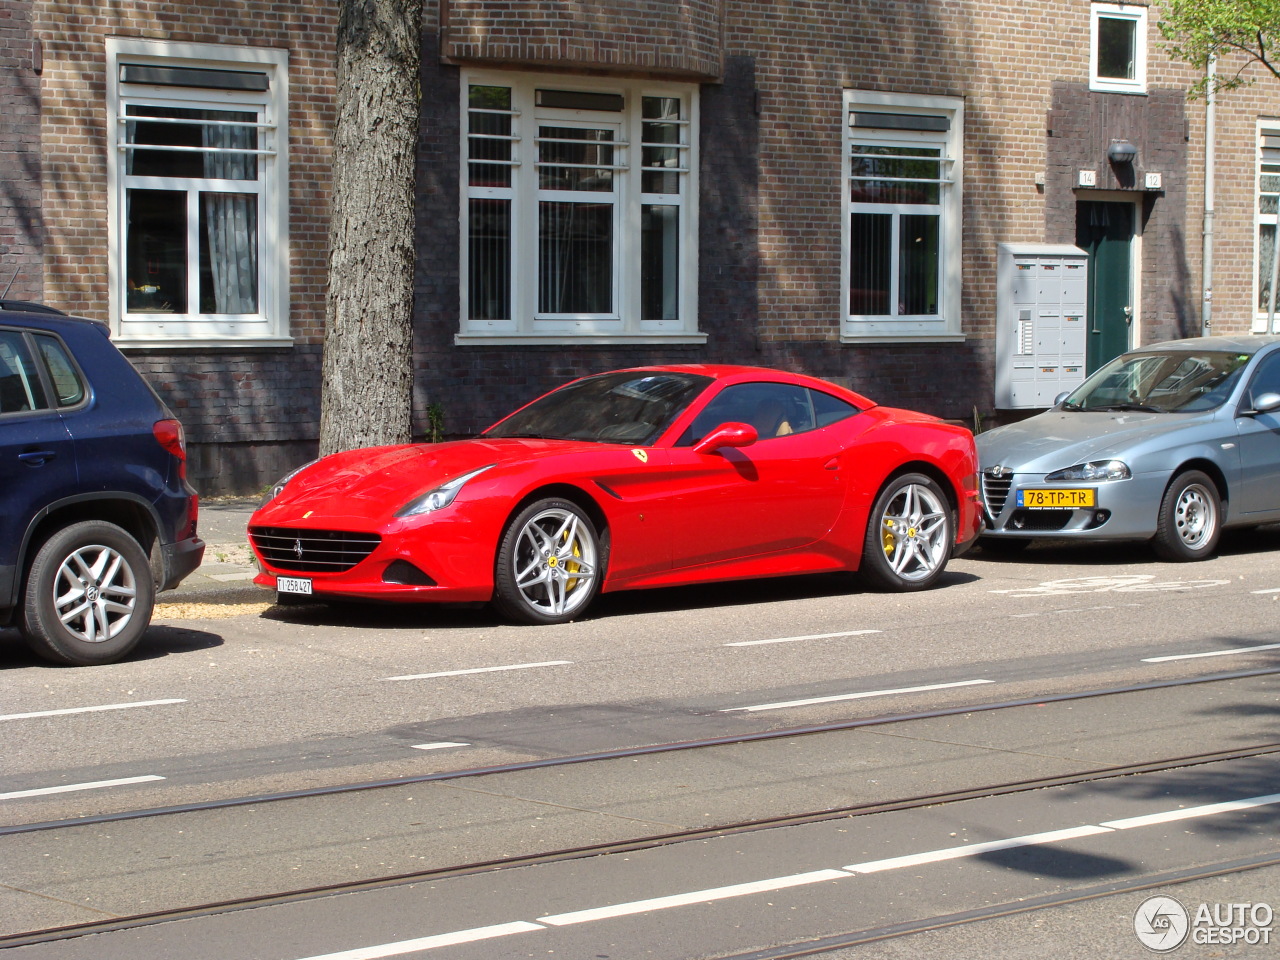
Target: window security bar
x=581 y=166
x=493 y=163
x=163 y=148
x=929 y=157
x=195 y=122
x=493 y=136
x=942 y=180
x=582 y=143
x=494 y=110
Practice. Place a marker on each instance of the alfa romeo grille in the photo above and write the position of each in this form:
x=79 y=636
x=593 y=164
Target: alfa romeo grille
x=312 y=551
x=995 y=491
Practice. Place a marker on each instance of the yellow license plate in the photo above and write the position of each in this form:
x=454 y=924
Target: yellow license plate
x=1057 y=499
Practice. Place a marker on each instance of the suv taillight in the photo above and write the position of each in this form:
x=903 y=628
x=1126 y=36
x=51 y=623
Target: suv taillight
x=170 y=436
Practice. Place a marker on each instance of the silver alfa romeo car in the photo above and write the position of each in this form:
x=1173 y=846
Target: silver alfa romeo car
x=1170 y=443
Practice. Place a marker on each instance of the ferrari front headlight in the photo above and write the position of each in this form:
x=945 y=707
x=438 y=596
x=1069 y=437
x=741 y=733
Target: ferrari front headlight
x=278 y=487
x=1094 y=472
x=438 y=498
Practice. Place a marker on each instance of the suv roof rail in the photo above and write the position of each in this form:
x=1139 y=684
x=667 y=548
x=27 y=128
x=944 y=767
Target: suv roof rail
x=29 y=306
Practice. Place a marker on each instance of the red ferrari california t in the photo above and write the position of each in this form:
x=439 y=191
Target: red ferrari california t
x=649 y=477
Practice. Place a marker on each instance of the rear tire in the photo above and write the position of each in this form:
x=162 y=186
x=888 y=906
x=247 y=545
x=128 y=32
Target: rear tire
x=550 y=564
x=88 y=596
x=1190 y=521
x=910 y=535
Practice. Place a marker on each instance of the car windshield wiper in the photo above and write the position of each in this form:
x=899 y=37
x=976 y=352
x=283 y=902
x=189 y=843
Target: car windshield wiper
x=1144 y=407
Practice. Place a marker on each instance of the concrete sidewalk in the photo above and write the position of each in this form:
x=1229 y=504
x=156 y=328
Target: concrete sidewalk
x=227 y=572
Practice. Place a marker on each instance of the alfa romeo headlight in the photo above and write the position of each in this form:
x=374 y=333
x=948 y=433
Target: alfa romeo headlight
x=1093 y=472
x=438 y=498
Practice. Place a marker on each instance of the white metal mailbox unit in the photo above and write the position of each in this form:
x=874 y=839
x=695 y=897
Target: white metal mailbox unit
x=1041 y=301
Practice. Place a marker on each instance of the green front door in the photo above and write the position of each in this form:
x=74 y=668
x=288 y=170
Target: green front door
x=1104 y=230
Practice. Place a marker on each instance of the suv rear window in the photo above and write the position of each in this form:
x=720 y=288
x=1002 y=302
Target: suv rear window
x=66 y=379
x=20 y=387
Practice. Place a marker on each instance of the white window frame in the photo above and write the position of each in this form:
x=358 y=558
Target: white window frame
x=1119 y=11
x=1268 y=152
x=270 y=325
x=624 y=324
x=945 y=325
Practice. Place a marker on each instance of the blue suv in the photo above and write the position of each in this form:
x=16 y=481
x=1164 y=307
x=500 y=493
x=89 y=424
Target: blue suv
x=96 y=515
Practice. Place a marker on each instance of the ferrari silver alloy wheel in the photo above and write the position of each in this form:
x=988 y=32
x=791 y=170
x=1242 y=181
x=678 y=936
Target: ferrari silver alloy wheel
x=94 y=593
x=1195 y=516
x=555 y=562
x=915 y=532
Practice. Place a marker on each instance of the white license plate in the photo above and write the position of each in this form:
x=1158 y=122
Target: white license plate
x=293 y=585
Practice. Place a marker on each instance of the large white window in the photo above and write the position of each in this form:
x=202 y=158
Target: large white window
x=579 y=211
x=1265 y=216
x=198 y=202
x=901 y=237
x=1118 y=47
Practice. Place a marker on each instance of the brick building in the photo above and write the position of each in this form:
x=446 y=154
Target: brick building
x=813 y=185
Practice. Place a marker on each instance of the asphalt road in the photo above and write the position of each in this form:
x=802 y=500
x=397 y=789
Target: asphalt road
x=245 y=702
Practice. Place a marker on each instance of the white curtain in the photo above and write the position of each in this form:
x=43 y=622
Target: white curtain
x=231 y=220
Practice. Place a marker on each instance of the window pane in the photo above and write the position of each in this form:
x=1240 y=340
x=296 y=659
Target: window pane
x=918 y=265
x=484 y=127
x=579 y=150
x=210 y=143
x=575 y=258
x=1266 y=264
x=19 y=383
x=228 y=253
x=659 y=262
x=870 y=264
x=1116 y=47
x=156 y=251
x=489 y=264
x=66 y=381
x=898 y=166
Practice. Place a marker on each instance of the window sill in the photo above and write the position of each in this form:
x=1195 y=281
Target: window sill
x=585 y=340
x=901 y=338
x=200 y=343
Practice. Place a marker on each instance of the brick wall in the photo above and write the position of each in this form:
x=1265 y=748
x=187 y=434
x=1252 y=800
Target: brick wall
x=668 y=37
x=230 y=400
x=770 y=204
x=20 y=209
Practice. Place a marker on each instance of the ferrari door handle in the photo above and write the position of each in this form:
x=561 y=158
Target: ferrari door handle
x=832 y=464
x=36 y=458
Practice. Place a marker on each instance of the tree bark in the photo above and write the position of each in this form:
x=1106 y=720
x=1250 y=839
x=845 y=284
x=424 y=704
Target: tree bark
x=367 y=376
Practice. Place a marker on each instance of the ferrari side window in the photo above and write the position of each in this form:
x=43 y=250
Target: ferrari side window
x=774 y=409
x=828 y=409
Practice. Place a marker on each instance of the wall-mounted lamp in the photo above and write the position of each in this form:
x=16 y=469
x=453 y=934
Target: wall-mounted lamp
x=1121 y=151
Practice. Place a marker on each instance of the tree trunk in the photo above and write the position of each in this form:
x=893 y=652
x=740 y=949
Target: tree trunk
x=367 y=385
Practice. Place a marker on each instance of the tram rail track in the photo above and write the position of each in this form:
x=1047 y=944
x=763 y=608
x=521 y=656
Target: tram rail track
x=1260 y=749
x=623 y=753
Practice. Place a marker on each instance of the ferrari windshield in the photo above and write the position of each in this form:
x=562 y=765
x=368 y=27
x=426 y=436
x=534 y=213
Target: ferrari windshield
x=1172 y=382
x=632 y=407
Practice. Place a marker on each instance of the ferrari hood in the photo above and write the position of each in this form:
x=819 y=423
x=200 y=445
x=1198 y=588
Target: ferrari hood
x=1058 y=438
x=372 y=483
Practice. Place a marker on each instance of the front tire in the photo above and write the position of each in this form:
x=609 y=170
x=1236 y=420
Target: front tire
x=909 y=535
x=1190 y=521
x=88 y=596
x=550 y=564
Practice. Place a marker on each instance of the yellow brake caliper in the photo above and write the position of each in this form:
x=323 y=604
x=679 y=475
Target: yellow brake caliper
x=889 y=537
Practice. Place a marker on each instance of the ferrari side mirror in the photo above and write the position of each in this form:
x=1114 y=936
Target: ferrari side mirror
x=727 y=435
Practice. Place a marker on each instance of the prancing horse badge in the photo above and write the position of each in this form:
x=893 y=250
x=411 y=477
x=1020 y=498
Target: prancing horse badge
x=641 y=455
